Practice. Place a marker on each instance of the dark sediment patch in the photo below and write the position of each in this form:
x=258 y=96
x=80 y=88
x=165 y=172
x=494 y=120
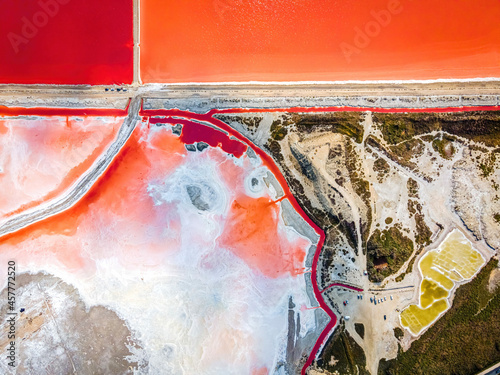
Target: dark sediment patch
x=195 y=195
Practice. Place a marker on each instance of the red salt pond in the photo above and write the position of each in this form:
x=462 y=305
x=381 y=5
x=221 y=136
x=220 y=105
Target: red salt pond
x=60 y=150
x=44 y=111
x=193 y=132
x=66 y=42
x=125 y=175
x=321 y=40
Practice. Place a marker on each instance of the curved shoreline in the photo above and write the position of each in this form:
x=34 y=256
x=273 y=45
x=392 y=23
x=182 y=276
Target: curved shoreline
x=85 y=183
x=269 y=162
x=208 y=117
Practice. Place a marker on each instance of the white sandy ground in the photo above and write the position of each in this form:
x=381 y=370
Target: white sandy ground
x=389 y=199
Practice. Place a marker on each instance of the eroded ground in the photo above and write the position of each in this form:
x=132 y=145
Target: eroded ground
x=387 y=188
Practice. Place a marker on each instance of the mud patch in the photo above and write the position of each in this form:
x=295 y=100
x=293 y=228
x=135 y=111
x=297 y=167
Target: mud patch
x=57 y=334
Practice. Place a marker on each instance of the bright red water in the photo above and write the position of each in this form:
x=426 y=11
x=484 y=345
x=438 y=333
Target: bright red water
x=251 y=233
x=193 y=132
x=66 y=42
x=42 y=111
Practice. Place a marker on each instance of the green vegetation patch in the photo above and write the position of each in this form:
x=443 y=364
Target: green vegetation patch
x=382 y=168
x=361 y=187
x=402 y=153
x=412 y=207
x=479 y=126
x=488 y=165
x=279 y=129
x=251 y=123
x=359 y=184
x=360 y=329
x=443 y=144
x=401 y=277
x=464 y=341
x=343 y=354
x=423 y=235
x=386 y=252
x=398 y=333
x=412 y=186
x=405 y=151
x=399 y=127
x=347 y=123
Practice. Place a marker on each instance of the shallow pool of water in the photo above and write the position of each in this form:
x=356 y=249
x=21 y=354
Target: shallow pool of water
x=455 y=260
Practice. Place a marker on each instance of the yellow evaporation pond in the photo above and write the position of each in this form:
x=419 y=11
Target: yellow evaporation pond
x=453 y=261
x=430 y=292
x=416 y=319
x=430 y=271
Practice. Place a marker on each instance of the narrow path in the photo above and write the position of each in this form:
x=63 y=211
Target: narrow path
x=342 y=285
x=493 y=370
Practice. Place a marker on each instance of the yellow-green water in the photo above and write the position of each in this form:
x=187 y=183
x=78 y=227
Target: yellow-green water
x=453 y=261
x=431 y=292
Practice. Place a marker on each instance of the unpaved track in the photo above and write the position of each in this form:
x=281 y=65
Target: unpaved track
x=261 y=90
